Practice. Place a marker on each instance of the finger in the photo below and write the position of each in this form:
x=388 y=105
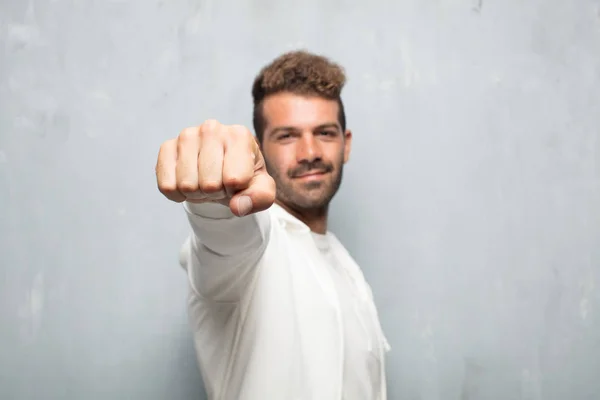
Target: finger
x=210 y=165
x=166 y=177
x=238 y=163
x=188 y=146
x=259 y=196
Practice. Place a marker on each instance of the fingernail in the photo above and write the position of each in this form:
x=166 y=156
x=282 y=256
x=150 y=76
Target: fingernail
x=244 y=205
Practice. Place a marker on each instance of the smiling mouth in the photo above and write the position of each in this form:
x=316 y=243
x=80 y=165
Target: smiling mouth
x=311 y=174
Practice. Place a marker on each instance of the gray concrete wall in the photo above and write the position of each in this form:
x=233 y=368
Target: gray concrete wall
x=472 y=199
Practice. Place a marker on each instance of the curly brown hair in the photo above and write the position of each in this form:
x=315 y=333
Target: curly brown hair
x=299 y=72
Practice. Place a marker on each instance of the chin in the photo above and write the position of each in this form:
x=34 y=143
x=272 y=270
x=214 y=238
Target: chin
x=312 y=202
x=306 y=196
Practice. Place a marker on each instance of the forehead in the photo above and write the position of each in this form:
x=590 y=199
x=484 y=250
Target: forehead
x=303 y=112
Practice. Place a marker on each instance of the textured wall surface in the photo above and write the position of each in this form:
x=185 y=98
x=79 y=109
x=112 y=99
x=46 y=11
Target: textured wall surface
x=472 y=199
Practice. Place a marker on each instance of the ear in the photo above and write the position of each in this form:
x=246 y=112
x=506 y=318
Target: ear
x=347 y=145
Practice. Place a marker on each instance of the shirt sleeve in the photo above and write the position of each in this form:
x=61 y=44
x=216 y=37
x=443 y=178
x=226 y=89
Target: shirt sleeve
x=222 y=252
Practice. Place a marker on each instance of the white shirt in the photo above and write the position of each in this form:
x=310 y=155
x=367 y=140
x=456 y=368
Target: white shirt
x=361 y=370
x=276 y=316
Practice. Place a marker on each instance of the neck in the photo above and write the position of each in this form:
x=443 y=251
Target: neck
x=315 y=219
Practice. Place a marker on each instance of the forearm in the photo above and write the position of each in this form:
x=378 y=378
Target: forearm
x=223 y=250
x=216 y=227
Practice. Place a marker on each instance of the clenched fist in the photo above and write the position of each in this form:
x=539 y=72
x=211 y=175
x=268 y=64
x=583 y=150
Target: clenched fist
x=218 y=163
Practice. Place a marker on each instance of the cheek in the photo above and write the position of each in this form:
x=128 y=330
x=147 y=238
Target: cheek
x=278 y=162
x=337 y=155
x=283 y=157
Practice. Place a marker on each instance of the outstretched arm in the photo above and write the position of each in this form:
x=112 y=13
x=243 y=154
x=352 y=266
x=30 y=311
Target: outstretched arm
x=219 y=174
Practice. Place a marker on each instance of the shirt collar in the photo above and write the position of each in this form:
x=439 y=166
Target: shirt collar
x=287 y=219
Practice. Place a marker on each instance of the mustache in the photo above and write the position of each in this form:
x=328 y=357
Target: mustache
x=316 y=166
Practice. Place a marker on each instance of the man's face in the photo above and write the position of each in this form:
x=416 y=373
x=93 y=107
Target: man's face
x=304 y=149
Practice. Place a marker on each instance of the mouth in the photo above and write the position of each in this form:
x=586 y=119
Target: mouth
x=311 y=175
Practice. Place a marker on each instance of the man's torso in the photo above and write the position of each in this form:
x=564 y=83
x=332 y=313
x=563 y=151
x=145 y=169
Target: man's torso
x=305 y=328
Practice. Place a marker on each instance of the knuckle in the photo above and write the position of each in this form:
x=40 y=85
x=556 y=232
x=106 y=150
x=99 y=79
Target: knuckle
x=189 y=133
x=240 y=132
x=240 y=129
x=166 y=150
x=210 y=187
x=187 y=186
x=235 y=181
x=164 y=147
x=209 y=127
x=167 y=188
x=163 y=186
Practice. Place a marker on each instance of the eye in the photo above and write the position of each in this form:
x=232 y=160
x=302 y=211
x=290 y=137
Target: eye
x=328 y=133
x=285 y=137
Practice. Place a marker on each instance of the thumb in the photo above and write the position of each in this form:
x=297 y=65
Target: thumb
x=259 y=196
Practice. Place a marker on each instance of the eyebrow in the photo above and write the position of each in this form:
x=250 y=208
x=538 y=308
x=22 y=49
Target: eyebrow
x=291 y=128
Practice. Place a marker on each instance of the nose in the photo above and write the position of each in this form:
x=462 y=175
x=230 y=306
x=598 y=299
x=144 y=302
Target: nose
x=308 y=149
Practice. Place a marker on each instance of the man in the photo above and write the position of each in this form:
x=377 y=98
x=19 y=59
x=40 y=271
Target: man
x=279 y=309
